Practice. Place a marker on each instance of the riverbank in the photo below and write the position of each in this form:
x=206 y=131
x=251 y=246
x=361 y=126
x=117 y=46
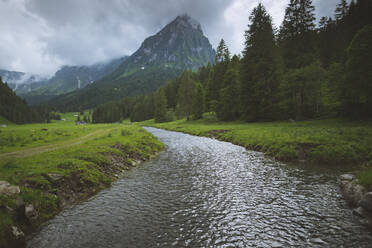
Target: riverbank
x=326 y=142
x=44 y=168
x=211 y=194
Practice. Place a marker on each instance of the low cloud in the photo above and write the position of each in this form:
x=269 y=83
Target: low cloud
x=40 y=36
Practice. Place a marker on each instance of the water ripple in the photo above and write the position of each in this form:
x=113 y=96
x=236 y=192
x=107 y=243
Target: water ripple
x=205 y=193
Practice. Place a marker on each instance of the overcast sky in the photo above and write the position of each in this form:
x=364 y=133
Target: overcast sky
x=39 y=36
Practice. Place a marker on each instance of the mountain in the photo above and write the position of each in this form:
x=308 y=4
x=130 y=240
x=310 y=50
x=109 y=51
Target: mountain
x=70 y=78
x=180 y=45
x=22 y=82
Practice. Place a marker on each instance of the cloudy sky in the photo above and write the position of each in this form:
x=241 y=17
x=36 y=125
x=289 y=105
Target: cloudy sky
x=39 y=36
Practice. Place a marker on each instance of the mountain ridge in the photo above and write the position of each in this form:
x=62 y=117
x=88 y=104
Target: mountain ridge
x=176 y=45
x=179 y=46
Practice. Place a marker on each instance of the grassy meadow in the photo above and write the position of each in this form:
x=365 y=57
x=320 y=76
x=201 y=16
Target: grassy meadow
x=51 y=162
x=324 y=142
x=20 y=137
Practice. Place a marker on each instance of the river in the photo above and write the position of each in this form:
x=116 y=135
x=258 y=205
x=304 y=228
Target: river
x=201 y=192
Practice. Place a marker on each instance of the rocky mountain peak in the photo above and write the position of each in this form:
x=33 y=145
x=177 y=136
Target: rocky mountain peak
x=185 y=21
x=180 y=44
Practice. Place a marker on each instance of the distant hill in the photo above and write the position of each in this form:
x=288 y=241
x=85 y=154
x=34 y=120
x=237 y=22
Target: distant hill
x=37 y=89
x=22 y=82
x=70 y=78
x=178 y=46
x=13 y=108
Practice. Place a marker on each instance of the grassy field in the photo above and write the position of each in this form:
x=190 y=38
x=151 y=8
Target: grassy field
x=324 y=142
x=18 y=137
x=54 y=162
x=4 y=121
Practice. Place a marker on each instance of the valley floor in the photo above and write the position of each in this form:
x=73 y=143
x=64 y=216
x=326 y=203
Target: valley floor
x=321 y=142
x=45 y=167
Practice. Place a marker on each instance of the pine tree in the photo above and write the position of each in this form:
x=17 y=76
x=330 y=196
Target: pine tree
x=160 y=113
x=358 y=81
x=216 y=75
x=198 y=102
x=222 y=54
x=323 y=23
x=185 y=95
x=260 y=71
x=296 y=36
x=229 y=104
x=301 y=89
x=342 y=10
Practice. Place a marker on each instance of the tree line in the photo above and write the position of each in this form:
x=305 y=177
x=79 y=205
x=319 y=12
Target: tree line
x=16 y=110
x=300 y=71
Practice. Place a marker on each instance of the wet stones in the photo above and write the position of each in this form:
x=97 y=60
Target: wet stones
x=352 y=191
x=16 y=238
x=366 y=202
x=357 y=196
x=17 y=232
x=8 y=189
x=347 y=177
x=55 y=176
x=30 y=213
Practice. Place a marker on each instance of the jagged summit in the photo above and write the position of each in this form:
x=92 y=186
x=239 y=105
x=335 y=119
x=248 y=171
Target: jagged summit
x=180 y=44
x=185 y=21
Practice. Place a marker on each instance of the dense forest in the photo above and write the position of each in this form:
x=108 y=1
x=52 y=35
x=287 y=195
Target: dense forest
x=16 y=110
x=300 y=71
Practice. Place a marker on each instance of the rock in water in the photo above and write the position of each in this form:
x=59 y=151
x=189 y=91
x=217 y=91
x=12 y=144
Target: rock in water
x=366 y=202
x=352 y=191
x=347 y=177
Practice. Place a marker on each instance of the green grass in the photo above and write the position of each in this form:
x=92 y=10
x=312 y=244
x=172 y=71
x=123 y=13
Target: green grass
x=88 y=161
x=4 y=121
x=324 y=142
x=18 y=137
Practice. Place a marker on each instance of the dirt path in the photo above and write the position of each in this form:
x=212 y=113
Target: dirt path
x=55 y=146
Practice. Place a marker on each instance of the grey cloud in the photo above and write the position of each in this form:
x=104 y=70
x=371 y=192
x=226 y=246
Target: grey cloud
x=39 y=36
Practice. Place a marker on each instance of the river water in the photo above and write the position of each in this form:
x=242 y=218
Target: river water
x=201 y=192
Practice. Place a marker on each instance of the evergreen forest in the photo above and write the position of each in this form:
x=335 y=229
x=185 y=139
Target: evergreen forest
x=301 y=70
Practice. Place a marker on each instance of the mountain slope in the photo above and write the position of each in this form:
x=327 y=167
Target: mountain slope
x=13 y=108
x=181 y=45
x=178 y=46
x=22 y=82
x=70 y=78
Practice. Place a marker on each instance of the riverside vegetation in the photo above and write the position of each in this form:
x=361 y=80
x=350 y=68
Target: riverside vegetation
x=324 y=142
x=61 y=163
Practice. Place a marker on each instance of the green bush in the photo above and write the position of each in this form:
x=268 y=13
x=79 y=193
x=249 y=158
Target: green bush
x=365 y=177
x=287 y=153
x=340 y=153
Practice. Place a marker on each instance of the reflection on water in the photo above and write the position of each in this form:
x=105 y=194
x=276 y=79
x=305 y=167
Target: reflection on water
x=202 y=192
